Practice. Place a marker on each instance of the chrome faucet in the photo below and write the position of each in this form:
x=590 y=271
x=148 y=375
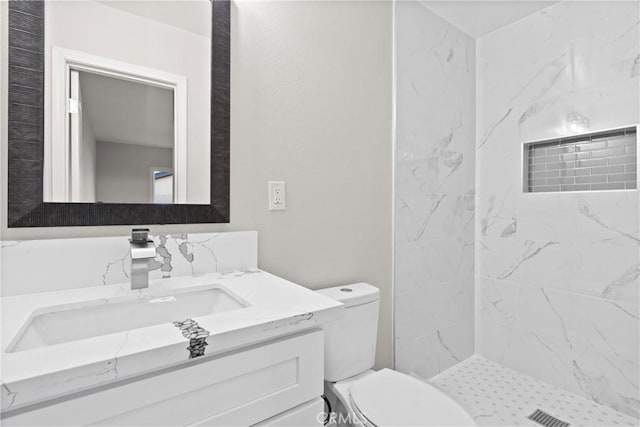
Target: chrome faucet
x=142 y=250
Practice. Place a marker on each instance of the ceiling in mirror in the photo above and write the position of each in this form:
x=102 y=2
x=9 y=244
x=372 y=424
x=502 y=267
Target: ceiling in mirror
x=126 y=112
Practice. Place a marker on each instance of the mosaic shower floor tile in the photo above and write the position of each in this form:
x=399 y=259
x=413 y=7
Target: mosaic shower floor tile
x=498 y=396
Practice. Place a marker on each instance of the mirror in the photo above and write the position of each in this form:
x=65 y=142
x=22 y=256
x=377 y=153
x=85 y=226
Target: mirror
x=127 y=101
x=118 y=112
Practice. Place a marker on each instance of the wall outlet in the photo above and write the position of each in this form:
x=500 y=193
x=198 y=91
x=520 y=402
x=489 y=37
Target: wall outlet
x=277 y=196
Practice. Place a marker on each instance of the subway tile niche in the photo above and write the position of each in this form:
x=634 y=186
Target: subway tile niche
x=589 y=162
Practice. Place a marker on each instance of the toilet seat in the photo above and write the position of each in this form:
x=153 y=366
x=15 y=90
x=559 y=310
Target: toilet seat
x=389 y=398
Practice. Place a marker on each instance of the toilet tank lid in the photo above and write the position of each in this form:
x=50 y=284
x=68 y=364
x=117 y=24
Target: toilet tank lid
x=354 y=294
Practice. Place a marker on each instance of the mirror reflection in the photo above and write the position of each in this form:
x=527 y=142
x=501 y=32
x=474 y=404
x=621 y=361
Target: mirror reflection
x=121 y=138
x=127 y=95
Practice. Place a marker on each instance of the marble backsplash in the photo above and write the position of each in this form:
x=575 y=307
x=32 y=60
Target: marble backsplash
x=558 y=273
x=32 y=266
x=434 y=192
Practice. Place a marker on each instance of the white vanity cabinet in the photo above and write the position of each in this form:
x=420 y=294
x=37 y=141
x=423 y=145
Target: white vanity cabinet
x=307 y=414
x=277 y=383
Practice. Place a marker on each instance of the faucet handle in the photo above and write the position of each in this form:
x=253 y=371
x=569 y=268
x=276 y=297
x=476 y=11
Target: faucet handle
x=141 y=246
x=140 y=235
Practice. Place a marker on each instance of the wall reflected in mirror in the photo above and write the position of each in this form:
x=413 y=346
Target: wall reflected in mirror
x=127 y=101
x=162 y=186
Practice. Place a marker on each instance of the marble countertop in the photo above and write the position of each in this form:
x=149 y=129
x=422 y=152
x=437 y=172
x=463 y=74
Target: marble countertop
x=275 y=307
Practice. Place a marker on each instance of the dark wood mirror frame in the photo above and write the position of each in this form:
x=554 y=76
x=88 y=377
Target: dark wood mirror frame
x=26 y=135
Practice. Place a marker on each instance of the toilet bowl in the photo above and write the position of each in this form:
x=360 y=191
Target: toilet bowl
x=360 y=396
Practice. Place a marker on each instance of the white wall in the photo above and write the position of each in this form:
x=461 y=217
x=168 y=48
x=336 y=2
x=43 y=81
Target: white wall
x=98 y=29
x=434 y=192
x=123 y=171
x=311 y=104
x=557 y=277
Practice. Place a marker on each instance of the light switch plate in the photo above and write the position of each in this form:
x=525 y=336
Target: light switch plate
x=277 y=196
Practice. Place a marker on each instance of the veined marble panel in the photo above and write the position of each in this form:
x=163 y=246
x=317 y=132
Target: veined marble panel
x=435 y=192
x=586 y=345
x=558 y=273
x=31 y=266
x=437 y=349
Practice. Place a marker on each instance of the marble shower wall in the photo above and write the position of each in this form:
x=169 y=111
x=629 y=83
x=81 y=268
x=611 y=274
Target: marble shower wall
x=557 y=273
x=32 y=266
x=434 y=192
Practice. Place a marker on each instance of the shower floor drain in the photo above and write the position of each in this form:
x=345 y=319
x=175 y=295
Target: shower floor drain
x=546 y=420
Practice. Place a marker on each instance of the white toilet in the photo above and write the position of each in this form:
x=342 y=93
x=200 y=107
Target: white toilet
x=360 y=396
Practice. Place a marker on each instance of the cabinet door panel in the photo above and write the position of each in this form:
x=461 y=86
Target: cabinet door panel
x=241 y=388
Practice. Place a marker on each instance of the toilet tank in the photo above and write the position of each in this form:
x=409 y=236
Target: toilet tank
x=350 y=342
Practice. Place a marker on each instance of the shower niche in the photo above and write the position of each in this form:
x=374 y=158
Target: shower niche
x=597 y=161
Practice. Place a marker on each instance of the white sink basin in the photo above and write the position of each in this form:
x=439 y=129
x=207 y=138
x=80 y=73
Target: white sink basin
x=70 y=322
